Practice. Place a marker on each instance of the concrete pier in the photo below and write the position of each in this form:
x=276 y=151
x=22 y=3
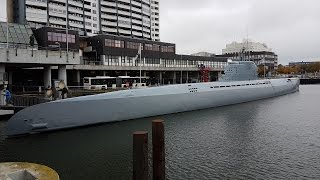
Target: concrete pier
x=5 y=114
x=29 y=171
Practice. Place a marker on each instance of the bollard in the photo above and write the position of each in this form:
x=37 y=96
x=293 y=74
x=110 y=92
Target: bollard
x=158 y=150
x=140 y=155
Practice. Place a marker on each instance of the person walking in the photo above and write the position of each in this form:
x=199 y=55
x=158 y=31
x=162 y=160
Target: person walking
x=8 y=96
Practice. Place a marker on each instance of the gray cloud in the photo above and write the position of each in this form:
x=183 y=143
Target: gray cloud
x=289 y=27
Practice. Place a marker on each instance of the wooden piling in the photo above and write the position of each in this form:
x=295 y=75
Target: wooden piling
x=140 y=155
x=158 y=150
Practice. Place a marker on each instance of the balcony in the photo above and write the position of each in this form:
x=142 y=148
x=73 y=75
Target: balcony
x=57 y=21
x=36 y=3
x=36 y=15
x=112 y=4
x=74 y=17
x=108 y=23
x=76 y=10
x=124 y=6
x=57 y=14
x=136 y=15
x=122 y=31
x=76 y=24
x=136 y=10
x=124 y=25
x=136 y=33
x=75 y=3
x=126 y=1
x=138 y=28
x=136 y=21
x=109 y=10
x=61 y=1
x=146 y=36
x=124 y=13
x=109 y=29
x=146 y=1
x=136 y=3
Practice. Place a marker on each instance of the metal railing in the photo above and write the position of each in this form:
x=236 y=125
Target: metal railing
x=27 y=100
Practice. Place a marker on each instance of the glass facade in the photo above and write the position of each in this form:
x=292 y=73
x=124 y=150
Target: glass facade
x=18 y=34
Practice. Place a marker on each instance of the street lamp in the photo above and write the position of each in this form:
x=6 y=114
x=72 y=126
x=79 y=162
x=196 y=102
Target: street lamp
x=59 y=47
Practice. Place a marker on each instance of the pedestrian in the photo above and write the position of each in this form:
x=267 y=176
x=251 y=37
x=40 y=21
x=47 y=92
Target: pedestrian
x=64 y=92
x=8 y=96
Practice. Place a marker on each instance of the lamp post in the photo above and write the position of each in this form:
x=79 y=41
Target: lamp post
x=264 y=68
x=59 y=47
x=67 y=28
x=140 y=51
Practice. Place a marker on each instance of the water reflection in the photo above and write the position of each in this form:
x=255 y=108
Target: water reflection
x=276 y=138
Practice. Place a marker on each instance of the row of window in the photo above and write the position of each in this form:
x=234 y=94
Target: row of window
x=152 y=47
x=253 y=84
x=155 y=62
x=61 y=37
x=135 y=45
x=114 y=43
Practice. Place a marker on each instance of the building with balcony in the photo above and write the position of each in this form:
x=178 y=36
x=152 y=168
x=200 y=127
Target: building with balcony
x=257 y=52
x=38 y=57
x=130 y=18
x=155 y=19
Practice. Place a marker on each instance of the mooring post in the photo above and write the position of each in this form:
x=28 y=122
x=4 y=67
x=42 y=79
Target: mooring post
x=140 y=155
x=158 y=150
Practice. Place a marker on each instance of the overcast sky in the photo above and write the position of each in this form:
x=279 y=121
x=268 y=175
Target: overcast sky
x=290 y=27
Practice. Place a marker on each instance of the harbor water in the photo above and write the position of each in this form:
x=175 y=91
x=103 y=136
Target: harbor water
x=277 y=138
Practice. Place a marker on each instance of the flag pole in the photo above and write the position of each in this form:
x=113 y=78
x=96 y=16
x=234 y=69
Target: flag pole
x=140 y=50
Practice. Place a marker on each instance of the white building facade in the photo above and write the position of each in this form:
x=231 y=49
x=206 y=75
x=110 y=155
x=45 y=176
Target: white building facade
x=257 y=52
x=132 y=18
x=247 y=45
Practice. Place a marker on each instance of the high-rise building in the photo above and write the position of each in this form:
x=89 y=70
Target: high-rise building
x=155 y=19
x=131 y=18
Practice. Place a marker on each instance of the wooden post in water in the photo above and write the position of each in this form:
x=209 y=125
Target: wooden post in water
x=140 y=155
x=158 y=150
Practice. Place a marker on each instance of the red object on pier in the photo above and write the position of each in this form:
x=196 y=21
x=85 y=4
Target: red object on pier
x=204 y=73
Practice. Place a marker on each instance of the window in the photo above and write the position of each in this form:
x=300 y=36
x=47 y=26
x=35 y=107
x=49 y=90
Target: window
x=156 y=47
x=119 y=44
x=167 y=48
x=148 y=47
x=132 y=45
x=114 y=43
x=61 y=37
x=49 y=36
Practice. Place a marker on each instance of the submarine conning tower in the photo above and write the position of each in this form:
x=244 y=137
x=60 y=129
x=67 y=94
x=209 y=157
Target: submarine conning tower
x=240 y=71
